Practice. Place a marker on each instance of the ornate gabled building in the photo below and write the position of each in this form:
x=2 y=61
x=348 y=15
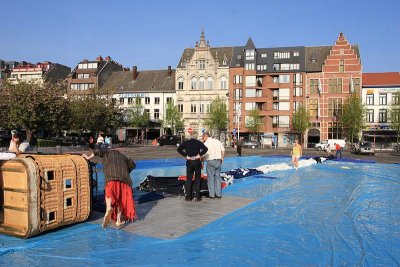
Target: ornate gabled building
x=201 y=76
x=276 y=81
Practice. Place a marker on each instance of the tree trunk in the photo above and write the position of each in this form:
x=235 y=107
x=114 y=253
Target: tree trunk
x=29 y=134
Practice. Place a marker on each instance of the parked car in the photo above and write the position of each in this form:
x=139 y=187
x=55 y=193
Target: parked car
x=323 y=144
x=365 y=148
x=250 y=144
x=174 y=140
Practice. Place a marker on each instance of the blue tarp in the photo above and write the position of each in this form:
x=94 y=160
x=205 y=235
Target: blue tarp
x=335 y=213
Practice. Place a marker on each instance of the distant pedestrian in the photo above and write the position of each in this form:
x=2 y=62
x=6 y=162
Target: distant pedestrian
x=215 y=157
x=338 y=150
x=100 y=139
x=239 y=146
x=91 y=142
x=296 y=153
x=193 y=150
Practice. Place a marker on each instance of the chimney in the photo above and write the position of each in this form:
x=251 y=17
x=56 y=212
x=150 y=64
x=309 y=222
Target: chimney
x=169 y=71
x=134 y=73
x=108 y=58
x=99 y=58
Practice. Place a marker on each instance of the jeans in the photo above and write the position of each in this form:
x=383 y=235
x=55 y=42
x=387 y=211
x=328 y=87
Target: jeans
x=214 y=178
x=193 y=167
x=339 y=153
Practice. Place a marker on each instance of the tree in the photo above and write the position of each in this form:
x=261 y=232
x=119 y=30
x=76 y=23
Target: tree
x=217 y=116
x=34 y=106
x=255 y=121
x=138 y=118
x=394 y=114
x=352 y=117
x=173 y=117
x=301 y=121
x=94 y=113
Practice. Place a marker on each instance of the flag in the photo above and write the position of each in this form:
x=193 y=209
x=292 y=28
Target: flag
x=319 y=86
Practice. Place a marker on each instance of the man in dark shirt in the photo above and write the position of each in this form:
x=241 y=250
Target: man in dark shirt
x=193 y=150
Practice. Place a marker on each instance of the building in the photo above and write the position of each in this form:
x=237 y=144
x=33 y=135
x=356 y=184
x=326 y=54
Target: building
x=91 y=74
x=378 y=93
x=201 y=76
x=41 y=72
x=276 y=81
x=5 y=68
x=152 y=89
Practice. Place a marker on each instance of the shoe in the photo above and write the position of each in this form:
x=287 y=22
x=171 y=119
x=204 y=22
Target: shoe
x=212 y=197
x=187 y=198
x=217 y=197
x=197 y=199
x=120 y=224
x=107 y=218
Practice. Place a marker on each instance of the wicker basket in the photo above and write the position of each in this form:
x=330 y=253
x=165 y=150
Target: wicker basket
x=43 y=192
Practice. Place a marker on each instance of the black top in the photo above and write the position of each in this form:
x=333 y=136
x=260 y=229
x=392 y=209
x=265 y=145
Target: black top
x=192 y=148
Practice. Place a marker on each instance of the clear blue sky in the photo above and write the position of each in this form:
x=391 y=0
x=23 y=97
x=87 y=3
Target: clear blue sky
x=153 y=34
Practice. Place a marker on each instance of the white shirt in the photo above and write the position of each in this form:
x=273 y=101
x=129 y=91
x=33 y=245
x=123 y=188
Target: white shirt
x=215 y=149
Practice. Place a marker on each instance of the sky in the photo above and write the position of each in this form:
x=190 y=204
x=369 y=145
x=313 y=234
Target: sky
x=153 y=34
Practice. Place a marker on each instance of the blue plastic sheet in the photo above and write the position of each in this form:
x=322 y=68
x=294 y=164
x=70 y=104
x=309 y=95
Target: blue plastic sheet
x=335 y=213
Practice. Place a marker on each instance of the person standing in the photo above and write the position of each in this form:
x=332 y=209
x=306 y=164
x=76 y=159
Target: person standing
x=239 y=146
x=118 y=189
x=215 y=157
x=296 y=153
x=192 y=150
x=328 y=150
x=338 y=150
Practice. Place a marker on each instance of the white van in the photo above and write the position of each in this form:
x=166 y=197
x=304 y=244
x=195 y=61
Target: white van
x=323 y=144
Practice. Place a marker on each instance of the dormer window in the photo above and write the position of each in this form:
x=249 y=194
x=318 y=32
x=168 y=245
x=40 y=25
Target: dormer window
x=202 y=64
x=250 y=54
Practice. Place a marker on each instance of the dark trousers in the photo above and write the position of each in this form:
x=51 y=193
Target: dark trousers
x=193 y=167
x=239 y=150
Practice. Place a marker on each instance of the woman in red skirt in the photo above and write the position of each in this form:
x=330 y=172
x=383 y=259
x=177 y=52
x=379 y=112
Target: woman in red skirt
x=118 y=190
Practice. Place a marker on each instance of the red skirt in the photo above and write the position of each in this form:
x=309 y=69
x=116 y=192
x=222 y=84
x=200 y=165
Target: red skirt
x=121 y=196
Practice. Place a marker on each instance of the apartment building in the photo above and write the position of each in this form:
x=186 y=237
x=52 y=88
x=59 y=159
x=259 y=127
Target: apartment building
x=152 y=88
x=5 y=68
x=276 y=81
x=91 y=74
x=40 y=72
x=201 y=76
x=378 y=93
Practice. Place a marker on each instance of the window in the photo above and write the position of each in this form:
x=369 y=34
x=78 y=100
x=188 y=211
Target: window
x=180 y=108
x=193 y=84
x=156 y=100
x=335 y=85
x=280 y=55
x=147 y=100
x=284 y=106
x=146 y=112
x=202 y=64
x=83 y=75
x=335 y=130
x=193 y=108
x=138 y=100
x=201 y=83
x=250 y=81
x=180 y=83
x=383 y=115
x=237 y=79
x=370 y=99
x=288 y=66
x=296 y=53
x=284 y=78
x=238 y=94
x=395 y=99
x=275 y=106
x=355 y=85
x=169 y=100
x=284 y=94
x=239 y=57
x=296 y=105
x=156 y=114
x=130 y=100
x=297 y=91
x=277 y=66
x=263 y=55
x=382 y=99
x=250 y=92
x=201 y=107
x=250 y=54
x=370 y=115
x=334 y=107
x=208 y=107
x=341 y=66
x=275 y=121
x=224 y=83
x=262 y=67
x=313 y=107
x=209 y=83
x=283 y=121
x=298 y=79
x=249 y=106
x=121 y=101
x=249 y=66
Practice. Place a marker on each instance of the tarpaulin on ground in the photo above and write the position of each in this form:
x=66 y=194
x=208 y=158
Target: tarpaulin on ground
x=335 y=213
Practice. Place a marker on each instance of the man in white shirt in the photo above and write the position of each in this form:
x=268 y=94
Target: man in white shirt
x=215 y=157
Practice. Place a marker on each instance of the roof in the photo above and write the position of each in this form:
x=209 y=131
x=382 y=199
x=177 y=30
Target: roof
x=146 y=81
x=217 y=53
x=250 y=45
x=381 y=79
